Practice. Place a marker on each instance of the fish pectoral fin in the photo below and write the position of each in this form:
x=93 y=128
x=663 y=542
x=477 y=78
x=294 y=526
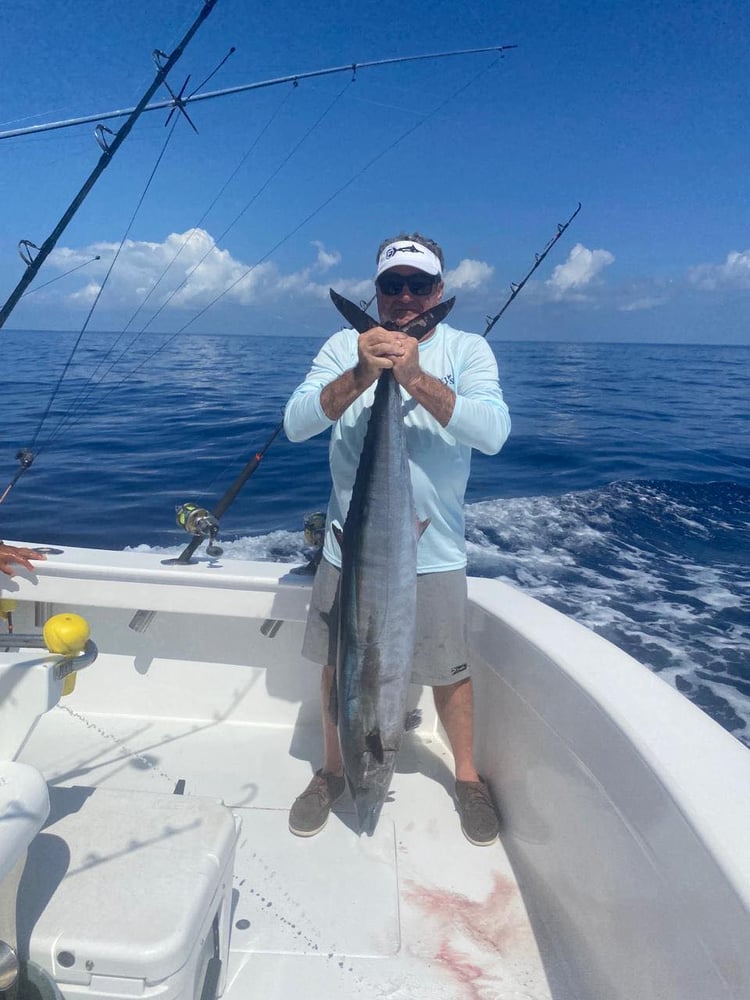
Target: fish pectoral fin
x=421 y=525
x=374 y=745
x=413 y=719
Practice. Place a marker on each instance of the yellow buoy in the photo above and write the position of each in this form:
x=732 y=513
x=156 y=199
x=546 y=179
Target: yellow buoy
x=66 y=634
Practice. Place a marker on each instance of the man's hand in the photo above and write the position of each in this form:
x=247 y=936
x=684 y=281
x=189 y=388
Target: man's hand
x=378 y=350
x=12 y=556
x=406 y=367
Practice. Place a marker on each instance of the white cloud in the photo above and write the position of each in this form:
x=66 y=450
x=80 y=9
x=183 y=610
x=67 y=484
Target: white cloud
x=188 y=271
x=185 y=271
x=580 y=270
x=326 y=258
x=86 y=295
x=647 y=302
x=469 y=275
x=733 y=273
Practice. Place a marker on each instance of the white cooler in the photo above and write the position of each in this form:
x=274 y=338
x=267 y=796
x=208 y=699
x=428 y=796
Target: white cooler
x=128 y=894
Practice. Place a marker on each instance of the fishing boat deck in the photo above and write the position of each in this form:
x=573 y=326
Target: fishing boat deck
x=414 y=911
x=621 y=839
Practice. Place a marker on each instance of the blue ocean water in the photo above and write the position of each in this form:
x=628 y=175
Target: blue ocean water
x=622 y=497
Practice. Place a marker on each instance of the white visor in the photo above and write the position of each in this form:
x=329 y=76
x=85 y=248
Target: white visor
x=410 y=254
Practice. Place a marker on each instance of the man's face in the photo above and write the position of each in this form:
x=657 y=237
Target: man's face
x=406 y=304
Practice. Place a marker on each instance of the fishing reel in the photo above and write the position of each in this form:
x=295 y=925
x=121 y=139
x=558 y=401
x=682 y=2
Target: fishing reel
x=315 y=529
x=200 y=523
x=315 y=533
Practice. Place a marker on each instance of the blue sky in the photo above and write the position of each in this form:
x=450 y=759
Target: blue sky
x=638 y=110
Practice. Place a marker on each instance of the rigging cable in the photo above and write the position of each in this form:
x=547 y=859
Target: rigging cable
x=94 y=304
x=396 y=142
x=67 y=420
x=37 y=288
x=91 y=385
x=230 y=496
x=242 y=211
x=327 y=201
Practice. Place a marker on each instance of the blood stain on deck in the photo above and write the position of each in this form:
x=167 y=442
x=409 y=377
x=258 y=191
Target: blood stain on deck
x=476 y=941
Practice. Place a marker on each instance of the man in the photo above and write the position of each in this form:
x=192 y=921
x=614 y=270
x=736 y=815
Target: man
x=452 y=403
x=12 y=556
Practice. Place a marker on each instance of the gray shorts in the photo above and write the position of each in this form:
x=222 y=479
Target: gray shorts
x=440 y=648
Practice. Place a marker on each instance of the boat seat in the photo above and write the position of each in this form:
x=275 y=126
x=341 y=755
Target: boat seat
x=129 y=893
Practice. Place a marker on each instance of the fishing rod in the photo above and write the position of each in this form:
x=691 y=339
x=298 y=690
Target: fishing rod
x=164 y=64
x=293 y=78
x=538 y=258
x=202 y=524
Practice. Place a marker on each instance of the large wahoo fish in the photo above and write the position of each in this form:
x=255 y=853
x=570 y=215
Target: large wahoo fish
x=377 y=608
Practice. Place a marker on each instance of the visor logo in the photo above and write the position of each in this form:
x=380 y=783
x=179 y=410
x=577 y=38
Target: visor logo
x=407 y=249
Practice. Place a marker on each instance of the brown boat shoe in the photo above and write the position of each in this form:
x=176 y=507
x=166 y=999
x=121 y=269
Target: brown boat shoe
x=310 y=810
x=479 y=822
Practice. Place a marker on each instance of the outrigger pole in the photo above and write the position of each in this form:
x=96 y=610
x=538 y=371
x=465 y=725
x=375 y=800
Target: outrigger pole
x=164 y=64
x=243 y=88
x=538 y=258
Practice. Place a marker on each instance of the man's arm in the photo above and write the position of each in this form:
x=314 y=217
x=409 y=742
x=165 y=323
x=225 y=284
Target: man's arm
x=433 y=395
x=477 y=414
x=377 y=350
x=327 y=390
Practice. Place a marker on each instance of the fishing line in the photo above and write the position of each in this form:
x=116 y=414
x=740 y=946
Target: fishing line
x=379 y=156
x=96 y=300
x=69 y=419
x=212 y=73
x=239 y=215
x=37 y=288
x=366 y=167
x=370 y=163
x=91 y=385
x=375 y=159
x=236 y=219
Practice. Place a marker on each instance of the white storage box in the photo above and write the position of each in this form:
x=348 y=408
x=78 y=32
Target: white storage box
x=128 y=894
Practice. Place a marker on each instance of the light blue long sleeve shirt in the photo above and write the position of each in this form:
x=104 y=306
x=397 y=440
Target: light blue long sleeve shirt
x=439 y=457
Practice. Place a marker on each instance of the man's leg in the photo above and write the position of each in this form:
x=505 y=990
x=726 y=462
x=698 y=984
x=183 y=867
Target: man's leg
x=310 y=810
x=332 y=760
x=455 y=708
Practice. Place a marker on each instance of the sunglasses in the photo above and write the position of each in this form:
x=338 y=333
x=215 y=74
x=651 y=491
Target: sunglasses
x=393 y=284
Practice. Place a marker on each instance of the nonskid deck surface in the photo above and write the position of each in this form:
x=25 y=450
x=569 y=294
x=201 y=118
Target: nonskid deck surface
x=413 y=912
